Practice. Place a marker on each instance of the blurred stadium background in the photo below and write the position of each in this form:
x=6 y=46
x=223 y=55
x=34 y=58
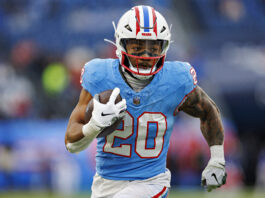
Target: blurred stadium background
x=45 y=43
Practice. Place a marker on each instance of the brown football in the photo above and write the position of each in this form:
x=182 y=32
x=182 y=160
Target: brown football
x=103 y=98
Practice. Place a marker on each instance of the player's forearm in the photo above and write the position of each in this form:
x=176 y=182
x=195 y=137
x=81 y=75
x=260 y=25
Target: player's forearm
x=212 y=128
x=81 y=140
x=74 y=132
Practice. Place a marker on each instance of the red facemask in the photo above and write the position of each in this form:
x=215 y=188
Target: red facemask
x=143 y=57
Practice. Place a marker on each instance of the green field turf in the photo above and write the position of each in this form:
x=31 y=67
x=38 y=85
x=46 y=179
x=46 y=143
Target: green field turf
x=173 y=194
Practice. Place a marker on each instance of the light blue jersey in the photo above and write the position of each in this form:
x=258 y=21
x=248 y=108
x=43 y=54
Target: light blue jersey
x=138 y=148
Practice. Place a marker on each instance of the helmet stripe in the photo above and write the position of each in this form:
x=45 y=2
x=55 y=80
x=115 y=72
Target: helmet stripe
x=137 y=19
x=154 y=21
x=146 y=18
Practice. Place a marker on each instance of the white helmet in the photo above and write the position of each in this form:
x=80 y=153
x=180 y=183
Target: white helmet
x=144 y=24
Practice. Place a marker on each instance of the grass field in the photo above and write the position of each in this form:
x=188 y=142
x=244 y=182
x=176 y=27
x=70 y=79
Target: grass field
x=173 y=194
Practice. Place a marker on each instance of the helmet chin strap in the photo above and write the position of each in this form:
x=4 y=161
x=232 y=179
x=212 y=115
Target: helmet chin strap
x=141 y=77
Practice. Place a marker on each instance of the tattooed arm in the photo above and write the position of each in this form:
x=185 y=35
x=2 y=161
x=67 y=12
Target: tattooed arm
x=199 y=104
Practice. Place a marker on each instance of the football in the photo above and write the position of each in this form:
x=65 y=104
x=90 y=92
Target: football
x=103 y=98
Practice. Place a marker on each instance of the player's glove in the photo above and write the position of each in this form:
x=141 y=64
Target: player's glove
x=106 y=114
x=214 y=174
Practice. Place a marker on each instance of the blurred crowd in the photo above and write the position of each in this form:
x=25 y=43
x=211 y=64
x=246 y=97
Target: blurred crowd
x=40 y=66
x=44 y=45
x=38 y=85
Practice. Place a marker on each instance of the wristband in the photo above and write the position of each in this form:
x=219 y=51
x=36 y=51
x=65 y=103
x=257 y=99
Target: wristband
x=91 y=128
x=217 y=152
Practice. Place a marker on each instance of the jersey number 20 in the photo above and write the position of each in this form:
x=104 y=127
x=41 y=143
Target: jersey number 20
x=142 y=136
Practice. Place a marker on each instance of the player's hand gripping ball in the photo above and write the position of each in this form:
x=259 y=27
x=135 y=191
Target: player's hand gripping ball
x=104 y=98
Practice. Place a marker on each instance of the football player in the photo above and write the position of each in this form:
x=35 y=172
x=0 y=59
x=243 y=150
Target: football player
x=131 y=161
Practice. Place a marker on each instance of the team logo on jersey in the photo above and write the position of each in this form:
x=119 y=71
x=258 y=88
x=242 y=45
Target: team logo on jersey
x=136 y=100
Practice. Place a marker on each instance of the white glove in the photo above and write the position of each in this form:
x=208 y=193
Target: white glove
x=106 y=114
x=214 y=174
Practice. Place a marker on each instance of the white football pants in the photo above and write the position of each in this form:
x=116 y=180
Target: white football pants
x=155 y=187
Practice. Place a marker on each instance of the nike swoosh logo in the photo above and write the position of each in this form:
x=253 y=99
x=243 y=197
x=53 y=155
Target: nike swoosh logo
x=106 y=114
x=213 y=175
x=221 y=164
